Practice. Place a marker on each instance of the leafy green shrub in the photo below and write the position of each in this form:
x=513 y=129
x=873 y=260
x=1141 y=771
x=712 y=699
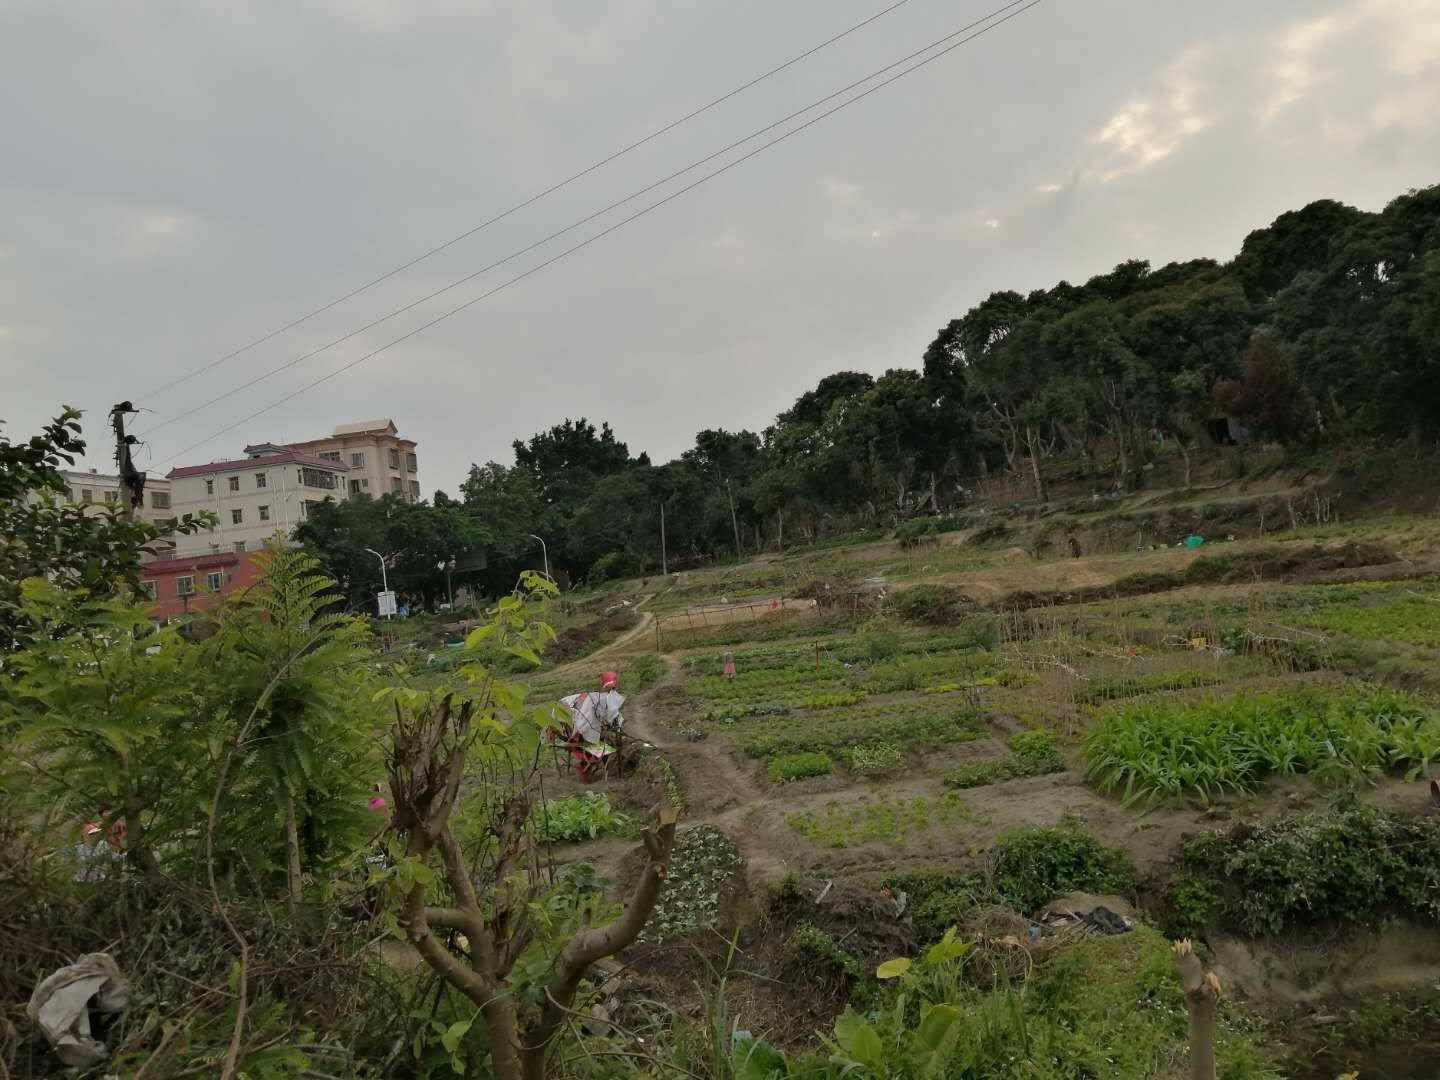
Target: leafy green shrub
x=784 y=768
x=1148 y=581
x=578 y=817
x=938 y=899
x=1034 y=754
x=911 y=532
x=815 y=956
x=1033 y=864
x=1167 y=748
x=1354 y=864
x=616 y=564
x=935 y=605
x=879 y=639
x=874 y=759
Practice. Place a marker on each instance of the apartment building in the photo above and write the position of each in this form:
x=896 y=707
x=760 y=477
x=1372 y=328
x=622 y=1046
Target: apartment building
x=270 y=490
x=97 y=489
x=379 y=460
x=183 y=585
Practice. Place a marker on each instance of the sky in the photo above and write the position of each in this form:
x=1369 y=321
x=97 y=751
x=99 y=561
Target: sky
x=179 y=180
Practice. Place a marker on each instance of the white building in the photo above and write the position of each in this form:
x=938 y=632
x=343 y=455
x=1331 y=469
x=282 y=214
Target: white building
x=268 y=491
x=94 y=488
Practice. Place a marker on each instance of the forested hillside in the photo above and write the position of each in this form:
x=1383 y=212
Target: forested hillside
x=1325 y=327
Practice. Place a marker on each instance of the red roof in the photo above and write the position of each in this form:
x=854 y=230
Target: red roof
x=245 y=464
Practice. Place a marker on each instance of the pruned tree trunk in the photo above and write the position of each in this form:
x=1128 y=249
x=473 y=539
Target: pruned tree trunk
x=426 y=767
x=1185 y=453
x=1202 y=992
x=1033 y=445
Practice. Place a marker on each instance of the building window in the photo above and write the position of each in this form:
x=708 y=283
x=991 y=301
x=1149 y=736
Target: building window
x=265 y=513
x=259 y=479
x=396 y=485
x=317 y=478
x=329 y=455
x=237 y=517
x=239 y=547
x=409 y=462
x=147 y=589
x=214 y=549
x=159 y=500
x=357 y=461
x=111 y=496
x=395 y=459
x=209 y=487
x=415 y=490
x=359 y=486
x=185 y=586
x=87 y=495
x=234 y=483
x=214 y=580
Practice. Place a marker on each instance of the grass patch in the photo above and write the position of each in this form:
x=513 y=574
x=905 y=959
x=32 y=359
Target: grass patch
x=641 y=673
x=1165 y=749
x=784 y=768
x=839 y=825
x=1409 y=620
x=923 y=727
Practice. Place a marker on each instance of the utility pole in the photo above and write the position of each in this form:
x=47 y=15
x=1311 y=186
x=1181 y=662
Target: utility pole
x=664 y=560
x=734 y=521
x=132 y=483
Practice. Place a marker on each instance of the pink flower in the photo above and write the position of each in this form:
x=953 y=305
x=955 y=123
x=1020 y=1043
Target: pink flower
x=378 y=803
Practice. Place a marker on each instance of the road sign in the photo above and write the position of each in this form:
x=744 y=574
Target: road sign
x=387 y=603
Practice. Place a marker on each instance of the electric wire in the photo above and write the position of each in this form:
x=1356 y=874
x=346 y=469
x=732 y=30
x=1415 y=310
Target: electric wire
x=529 y=201
x=202 y=406
x=607 y=231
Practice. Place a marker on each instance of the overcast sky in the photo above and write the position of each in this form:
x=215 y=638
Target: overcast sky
x=177 y=179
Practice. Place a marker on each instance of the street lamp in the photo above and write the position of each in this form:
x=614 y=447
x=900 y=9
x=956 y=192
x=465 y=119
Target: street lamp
x=448 y=565
x=544 y=553
x=384 y=579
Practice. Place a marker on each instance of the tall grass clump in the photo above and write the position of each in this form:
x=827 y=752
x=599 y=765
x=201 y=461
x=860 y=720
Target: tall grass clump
x=1220 y=745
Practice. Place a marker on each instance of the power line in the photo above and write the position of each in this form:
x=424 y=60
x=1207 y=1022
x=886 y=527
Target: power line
x=575 y=224
x=531 y=200
x=612 y=228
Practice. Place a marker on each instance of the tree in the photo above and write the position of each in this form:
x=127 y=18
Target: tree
x=42 y=534
x=476 y=740
x=1268 y=398
x=284 y=656
x=101 y=716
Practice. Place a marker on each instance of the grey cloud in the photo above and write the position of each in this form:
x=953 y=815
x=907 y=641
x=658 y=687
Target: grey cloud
x=179 y=181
